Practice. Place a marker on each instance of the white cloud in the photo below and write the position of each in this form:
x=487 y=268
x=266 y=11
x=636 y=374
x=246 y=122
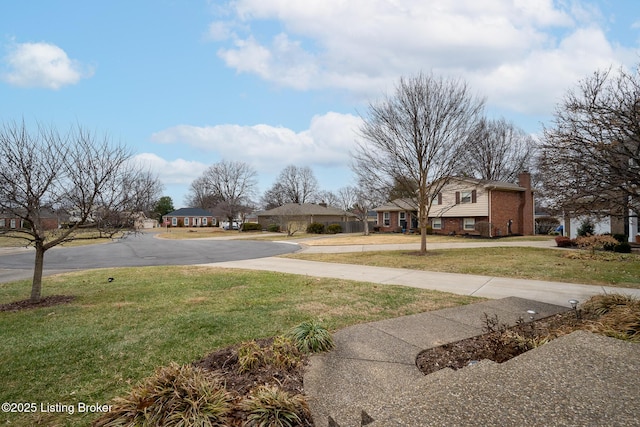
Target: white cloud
x=42 y=65
x=270 y=148
x=170 y=172
x=521 y=53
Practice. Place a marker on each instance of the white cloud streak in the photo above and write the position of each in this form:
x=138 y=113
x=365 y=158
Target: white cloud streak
x=42 y=65
x=521 y=54
x=325 y=144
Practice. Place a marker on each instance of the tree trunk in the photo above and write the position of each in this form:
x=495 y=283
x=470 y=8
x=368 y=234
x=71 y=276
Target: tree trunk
x=423 y=240
x=366 y=227
x=36 y=286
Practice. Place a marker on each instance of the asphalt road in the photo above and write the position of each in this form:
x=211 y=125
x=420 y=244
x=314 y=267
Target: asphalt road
x=139 y=250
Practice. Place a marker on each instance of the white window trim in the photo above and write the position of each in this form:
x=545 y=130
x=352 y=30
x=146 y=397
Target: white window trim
x=402 y=216
x=12 y=223
x=174 y=221
x=204 y=221
x=468 y=195
x=437 y=226
x=186 y=221
x=472 y=222
x=2 y=222
x=386 y=218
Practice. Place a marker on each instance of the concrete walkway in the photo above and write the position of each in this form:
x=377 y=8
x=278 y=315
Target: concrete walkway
x=370 y=378
x=463 y=284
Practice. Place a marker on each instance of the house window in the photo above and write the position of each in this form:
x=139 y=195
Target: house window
x=465 y=197
x=469 y=224
x=186 y=221
x=436 y=223
x=402 y=219
x=2 y=223
x=204 y=221
x=174 y=221
x=12 y=223
x=387 y=218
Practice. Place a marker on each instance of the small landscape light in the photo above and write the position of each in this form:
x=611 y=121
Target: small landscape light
x=532 y=314
x=574 y=307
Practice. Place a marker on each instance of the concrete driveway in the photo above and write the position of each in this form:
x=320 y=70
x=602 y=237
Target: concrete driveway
x=142 y=249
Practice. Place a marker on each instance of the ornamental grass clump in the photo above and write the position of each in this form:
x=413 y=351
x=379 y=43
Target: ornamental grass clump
x=311 y=337
x=270 y=406
x=250 y=356
x=174 y=396
x=619 y=316
x=284 y=354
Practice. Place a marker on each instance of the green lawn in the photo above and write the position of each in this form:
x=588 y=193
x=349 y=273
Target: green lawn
x=115 y=334
x=519 y=262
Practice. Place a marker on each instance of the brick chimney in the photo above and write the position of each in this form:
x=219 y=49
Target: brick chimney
x=526 y=209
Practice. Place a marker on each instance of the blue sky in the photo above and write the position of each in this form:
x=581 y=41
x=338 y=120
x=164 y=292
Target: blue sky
x=186 y=83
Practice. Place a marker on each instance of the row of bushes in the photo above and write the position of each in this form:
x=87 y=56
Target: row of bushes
x=605 y=242
x=318 y=228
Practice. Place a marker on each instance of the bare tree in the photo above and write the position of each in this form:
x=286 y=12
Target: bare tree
x=359 y=201
x=233 y=184
x=77 y=174
x=347 y=197
x=201 y=195
x=293 y=185
x=327 y=197
x=591 y=155
x=415 y=139
x=498 y=151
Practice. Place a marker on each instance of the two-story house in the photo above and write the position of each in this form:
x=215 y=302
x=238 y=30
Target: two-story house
x=469 y=206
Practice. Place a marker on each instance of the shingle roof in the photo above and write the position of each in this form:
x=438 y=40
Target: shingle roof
x=304 y=209
x=190 y=212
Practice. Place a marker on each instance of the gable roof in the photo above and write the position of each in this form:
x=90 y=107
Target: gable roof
x=290 y=209
x=489 y=184
x=398 y=205
x=190 y=212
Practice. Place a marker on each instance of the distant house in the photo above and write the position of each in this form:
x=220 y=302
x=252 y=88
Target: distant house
x=469 y=206
x=10 y=221
x=189 y=217
x=298 y=216
x=604 y=223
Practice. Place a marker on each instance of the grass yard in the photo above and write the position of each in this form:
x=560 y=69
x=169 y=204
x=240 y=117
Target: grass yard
x=395 y=238
x=573 y=266
x=114 y=334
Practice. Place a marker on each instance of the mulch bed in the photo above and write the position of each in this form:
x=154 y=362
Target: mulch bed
x=494 y=345
x=26 y=304
x=225 y=362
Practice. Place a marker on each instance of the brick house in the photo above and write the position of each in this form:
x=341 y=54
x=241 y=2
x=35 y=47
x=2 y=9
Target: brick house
x=189 y=217
x=10 y=221
x=469 y=206
x=294 y=216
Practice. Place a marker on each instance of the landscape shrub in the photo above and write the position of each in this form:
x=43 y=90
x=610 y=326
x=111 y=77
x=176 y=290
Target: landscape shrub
x=586 y=229
x=271 y=406
x=180 y=222
x=622 y=248
x=564 y=242
x=273 y=228
x=174 y=395
x=251 y=226
x=593 y=243
x=620 y=237
x=311 y=337
x=334 y=229
x=315 y=228
x=429 y=229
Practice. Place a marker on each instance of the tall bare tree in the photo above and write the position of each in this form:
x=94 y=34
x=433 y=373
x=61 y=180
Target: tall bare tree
x=416 y=137
x=359 y=200
x=591 y=155
x=293 y=185
x=498 y=151
x=77 y=174
x=233 y=184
